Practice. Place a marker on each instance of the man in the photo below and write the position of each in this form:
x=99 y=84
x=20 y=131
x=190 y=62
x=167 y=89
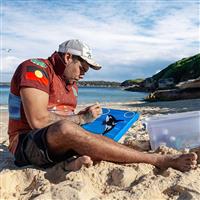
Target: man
x=43 y=128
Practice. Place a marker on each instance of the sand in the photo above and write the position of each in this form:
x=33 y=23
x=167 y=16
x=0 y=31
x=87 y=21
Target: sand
x=104 y=180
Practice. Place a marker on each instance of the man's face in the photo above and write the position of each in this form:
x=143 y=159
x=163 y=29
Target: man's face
x=75 y=70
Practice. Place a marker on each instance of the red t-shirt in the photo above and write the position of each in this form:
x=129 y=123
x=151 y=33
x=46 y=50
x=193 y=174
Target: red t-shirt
x=45 y=75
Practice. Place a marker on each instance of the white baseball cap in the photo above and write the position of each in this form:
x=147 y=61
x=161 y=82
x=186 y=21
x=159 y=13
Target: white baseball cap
x=79 y=48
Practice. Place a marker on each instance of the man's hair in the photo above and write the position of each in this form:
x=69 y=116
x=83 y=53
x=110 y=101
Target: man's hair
x=75 y=58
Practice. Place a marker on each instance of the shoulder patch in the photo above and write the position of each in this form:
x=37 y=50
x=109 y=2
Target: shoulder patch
x=39 y=62
x=36 y=74
x=74 y=91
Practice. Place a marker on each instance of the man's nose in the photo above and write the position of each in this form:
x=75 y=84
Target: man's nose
x=81 y=76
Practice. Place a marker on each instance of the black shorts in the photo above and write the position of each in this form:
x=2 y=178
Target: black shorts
x=32 y=150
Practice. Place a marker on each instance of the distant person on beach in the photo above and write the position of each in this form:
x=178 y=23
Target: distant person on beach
x=43 y=127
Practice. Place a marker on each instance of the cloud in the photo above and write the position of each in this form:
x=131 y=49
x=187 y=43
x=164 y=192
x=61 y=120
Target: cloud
x=122 y=33
x=9 y=63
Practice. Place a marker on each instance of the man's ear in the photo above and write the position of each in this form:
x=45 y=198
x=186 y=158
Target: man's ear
x=67 y=57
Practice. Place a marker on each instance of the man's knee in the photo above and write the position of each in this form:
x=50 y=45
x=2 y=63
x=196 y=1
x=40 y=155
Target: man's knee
x=65 y=127
x=59 y=132
x=65 y=133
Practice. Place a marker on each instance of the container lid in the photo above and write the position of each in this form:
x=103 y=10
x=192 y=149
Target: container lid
x=173 y=116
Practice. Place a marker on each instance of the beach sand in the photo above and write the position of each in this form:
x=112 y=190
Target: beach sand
x=105 y=180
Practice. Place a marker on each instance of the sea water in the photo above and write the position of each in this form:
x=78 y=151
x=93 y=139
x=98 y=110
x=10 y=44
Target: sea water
x=91 y=95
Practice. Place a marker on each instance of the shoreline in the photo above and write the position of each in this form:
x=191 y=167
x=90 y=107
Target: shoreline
x=5 y=106
x=180 y=103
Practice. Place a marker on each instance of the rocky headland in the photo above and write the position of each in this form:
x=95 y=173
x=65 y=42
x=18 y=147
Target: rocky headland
x=180 y=80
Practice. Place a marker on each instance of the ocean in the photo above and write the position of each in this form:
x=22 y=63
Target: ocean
x=91 y=95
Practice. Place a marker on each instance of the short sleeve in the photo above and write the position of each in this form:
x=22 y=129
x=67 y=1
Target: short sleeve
x=32 y=75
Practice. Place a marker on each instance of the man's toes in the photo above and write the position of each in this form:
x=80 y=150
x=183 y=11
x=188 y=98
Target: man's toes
x=86 y=160
x=191 y=162
x=188 y=167
x=194 y=162
x=193 y=166
x=78 y=163
x=189 y=156
x=193 y=156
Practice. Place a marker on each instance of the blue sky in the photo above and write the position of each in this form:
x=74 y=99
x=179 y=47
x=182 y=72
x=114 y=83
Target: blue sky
x=131 y=39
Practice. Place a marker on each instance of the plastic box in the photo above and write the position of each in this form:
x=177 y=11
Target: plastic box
x=179 y=131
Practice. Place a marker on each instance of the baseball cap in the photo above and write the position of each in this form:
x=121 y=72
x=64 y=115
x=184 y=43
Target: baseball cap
x=79 y=48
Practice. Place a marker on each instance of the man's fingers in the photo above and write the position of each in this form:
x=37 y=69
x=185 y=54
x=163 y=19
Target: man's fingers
x=96 y=110
x=90 y=113
x=96 y=106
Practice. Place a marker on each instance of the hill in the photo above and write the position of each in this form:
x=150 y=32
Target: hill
x=128 y=83
x=179 y=80
x=182 y=70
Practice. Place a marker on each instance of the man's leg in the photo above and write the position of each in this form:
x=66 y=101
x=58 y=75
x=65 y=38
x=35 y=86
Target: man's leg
x=64 y=135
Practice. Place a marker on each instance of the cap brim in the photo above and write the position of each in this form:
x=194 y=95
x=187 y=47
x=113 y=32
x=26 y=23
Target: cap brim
x=92 y=63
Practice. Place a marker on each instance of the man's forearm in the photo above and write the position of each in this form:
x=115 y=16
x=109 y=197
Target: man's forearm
x=86 y=116
x=53 y=117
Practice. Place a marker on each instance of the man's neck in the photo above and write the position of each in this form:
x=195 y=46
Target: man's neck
x=58 y=64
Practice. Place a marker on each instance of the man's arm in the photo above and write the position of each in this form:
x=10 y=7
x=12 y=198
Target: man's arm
x=35 y=104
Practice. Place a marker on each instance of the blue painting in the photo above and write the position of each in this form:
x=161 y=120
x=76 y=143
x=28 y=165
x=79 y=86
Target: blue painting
x=112 y=123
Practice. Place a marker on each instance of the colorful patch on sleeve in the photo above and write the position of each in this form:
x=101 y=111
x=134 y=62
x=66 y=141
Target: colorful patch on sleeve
x=14 y=107
x=36 y=74
x=74 y=91
x=39 y=63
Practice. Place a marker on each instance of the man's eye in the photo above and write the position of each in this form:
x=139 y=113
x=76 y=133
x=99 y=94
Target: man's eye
x=82 y=68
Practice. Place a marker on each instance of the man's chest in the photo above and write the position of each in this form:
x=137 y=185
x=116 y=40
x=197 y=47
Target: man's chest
x=62 y=97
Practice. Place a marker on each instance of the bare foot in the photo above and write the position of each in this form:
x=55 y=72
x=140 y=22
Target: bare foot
x=78 y=163
x=183 y=162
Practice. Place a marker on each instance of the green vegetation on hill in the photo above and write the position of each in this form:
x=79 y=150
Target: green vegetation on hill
x=131 y=82
x=182 y=70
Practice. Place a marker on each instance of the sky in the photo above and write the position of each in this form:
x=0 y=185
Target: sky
x=129 y=38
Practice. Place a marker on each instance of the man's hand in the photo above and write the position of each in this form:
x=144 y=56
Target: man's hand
x=90 y=113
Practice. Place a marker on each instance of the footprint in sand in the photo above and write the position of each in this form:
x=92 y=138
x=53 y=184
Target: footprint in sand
x=123 y=177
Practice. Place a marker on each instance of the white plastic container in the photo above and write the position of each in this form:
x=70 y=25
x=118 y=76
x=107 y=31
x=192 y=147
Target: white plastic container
x=179 y=131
